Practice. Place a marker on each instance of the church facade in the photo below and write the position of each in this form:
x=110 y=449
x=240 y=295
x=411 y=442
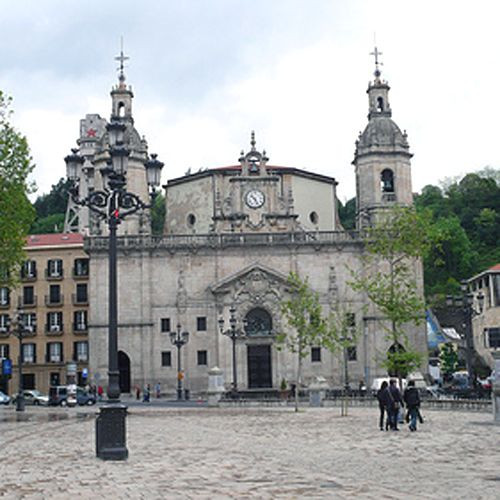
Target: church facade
x=231 y=237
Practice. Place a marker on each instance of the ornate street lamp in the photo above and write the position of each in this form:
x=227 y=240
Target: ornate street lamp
x=234 y=334
x=179 y=338
x=18 y=330
x=113 y=204
x=466 y=303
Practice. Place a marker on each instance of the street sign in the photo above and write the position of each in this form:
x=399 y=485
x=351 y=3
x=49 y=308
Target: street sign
x=85 y=372
x=6 y=367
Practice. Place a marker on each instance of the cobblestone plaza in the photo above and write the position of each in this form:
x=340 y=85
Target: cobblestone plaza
x=250 y=453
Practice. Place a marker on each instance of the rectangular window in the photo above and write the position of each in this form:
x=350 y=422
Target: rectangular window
x=165 y=324
x=202 y=358
x=4 y=296
x=201 y=323
x=28 y=295
x=55 y=379
x=350 y=320
x=4 y=323
x=493 y=338
x=55 y=268
x=166 y=358
x=315 y=354
x=81 y=267
x=28 y=321
x=80 y=321
x=28 y=269
x=352 y=353
x=54 y=352
x=4 y=351
x=29 y=381
x=81 y=351
x=29 y=353
x=81 y=293
x=54 y=321
x=55 y=294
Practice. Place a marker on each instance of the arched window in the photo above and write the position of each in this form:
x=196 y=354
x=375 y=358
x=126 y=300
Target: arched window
x=259 y=322
x=121 y=110
x=387 y=181
x=380 y=104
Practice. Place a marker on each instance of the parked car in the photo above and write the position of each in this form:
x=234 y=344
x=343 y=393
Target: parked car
x=4 y=399
x=85 y=398
x=60 y=395
x=33 y=397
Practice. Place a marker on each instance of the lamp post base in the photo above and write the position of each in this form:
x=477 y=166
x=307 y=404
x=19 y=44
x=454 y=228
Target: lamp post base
x=111 y=436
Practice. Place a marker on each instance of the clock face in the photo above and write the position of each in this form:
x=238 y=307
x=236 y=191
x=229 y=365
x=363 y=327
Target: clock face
x=254 y=198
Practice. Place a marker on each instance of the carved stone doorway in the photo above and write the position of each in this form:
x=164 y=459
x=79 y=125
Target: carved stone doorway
x=259 y=366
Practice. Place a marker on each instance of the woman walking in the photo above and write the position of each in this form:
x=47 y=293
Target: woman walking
x=382 y=405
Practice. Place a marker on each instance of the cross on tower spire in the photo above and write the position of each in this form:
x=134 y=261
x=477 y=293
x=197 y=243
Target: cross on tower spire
x=376 y=53
x=121 y=58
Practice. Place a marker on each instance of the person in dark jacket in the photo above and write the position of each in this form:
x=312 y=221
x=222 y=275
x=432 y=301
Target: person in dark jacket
x=382 y=405
x=395 y=404
x=412 y=400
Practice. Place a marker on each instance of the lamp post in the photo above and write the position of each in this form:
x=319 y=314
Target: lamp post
x=466 y=302
x=179 y=338
x=18 y=330
x=113 y=204
x=234 y=334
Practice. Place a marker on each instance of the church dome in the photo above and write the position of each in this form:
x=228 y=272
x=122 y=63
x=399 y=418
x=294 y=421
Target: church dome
x=382 y=135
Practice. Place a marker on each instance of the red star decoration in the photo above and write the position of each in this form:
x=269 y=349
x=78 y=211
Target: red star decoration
x=91 y=132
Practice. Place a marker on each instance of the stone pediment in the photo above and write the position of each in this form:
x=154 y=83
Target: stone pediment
x=255 y=279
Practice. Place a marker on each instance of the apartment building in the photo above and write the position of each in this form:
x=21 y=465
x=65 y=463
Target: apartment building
x=51 y=302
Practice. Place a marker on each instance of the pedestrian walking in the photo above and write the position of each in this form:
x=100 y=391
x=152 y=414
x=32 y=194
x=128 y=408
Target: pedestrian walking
x=158 y=389
x=383 y=401
x=147 y=394
x=100 y=392
x=137 y=392
x=395 y=404
x=412 y=399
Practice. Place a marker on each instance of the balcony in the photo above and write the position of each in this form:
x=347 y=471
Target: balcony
x=389 y=197
x=4 y=332
x=80 y=300
x=51 y=302
x=25 y=302
x=80 y=329
x=5 y=304
x=54 y=275
x=80 y=274
x=54 y=330
x=26 y=277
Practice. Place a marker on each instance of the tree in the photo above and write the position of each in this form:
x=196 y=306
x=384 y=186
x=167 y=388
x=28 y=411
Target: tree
x=303 y=314
x=394 y=247
x=449 y=359
x=16 y=211
x=158 y=215
x=347 y=214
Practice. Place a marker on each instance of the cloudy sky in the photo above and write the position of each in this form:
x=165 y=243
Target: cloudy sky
x=207 y=72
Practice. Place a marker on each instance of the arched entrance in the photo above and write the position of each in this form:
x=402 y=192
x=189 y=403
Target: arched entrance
x=259 y=325
x=124 y=369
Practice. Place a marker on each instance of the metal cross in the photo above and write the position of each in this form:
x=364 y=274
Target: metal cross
x=376 y=53
x=122 y=58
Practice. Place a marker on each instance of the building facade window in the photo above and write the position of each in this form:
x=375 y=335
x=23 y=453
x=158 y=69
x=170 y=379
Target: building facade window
x=28 y=320
x=202 y=358
x=80 y=321
x=493 y=336
x=55 y=268
x=352 y=353
x=54 y=352
x=28 y=269
x=201 y=324
x=165 y=324
x=28 y=296
x=316 y=354
x=29 y=353
x=81 y=267
x=81 y=293
x=166 y=358
x=4 y=296
x=4 y=351
x=4 y=323
x=55 y=378
x=55 y=321
x=81 y=351
x=55 y=294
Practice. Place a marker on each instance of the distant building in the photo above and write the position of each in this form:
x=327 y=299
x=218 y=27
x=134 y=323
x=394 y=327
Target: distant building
x=53 y=300
x=486 y=326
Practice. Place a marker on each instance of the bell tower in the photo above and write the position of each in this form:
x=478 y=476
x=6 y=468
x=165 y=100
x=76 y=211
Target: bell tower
x=382 y=157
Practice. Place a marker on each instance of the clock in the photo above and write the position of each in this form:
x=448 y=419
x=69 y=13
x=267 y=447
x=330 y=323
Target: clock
x=254 y=198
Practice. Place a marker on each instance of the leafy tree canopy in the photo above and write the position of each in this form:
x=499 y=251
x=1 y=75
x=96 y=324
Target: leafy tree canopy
x=16 y=212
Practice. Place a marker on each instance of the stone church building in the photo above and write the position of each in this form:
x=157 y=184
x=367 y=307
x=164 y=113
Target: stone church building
x=231 y=237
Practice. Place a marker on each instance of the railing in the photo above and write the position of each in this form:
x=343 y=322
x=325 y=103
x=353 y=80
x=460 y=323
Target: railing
x=222 y=240
x=22 y=304
x=54 y=303
x=79 y=300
